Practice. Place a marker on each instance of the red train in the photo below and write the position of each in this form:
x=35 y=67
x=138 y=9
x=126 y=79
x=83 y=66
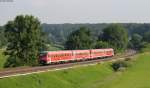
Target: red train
x=48 y=57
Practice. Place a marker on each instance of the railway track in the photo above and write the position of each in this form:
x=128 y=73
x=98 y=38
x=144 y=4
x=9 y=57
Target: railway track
x=30 y=70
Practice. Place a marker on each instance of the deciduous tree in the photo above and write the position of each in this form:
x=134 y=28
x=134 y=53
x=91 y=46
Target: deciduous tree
x=24 y=41
x=116 y=35
x=79 y=39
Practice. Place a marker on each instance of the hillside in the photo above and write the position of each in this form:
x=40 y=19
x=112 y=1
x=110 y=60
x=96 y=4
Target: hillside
x=135 y=77
x=97 y=76
x=58 y=33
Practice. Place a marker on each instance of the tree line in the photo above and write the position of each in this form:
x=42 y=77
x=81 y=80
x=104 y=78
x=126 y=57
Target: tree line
x=58 y=33
x=114 y=36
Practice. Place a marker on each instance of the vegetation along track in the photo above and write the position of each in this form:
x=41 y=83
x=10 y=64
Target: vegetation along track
x=30 y=70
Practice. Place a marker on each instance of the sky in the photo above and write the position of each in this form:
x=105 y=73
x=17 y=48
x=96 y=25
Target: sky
x=78 y=11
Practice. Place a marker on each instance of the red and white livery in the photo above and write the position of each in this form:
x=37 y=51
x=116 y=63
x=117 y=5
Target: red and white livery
x=48 y=57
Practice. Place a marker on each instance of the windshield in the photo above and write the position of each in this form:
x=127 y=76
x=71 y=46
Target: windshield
x=43 y=53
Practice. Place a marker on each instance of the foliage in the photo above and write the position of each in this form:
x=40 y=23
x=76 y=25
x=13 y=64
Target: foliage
x=116 y=35
x=145 y=48
x=80 y=39
x=58 y=33
x=136 y=42
x=119 y=64
x=146 y=37
x=3 y=40
x=25 y=41
x=52 y=47
x=101 y=44
x=2 y=59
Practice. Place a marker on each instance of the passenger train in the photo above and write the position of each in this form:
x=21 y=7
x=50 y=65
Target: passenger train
x=49 y=57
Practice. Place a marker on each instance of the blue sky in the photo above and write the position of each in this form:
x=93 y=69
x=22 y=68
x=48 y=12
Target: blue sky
x=78 y=11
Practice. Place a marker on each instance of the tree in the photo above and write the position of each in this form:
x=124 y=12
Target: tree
x=145 y=47
x=116 y=35
x=3 y=41
x=24 y=41
x=147 y=37
x=136 y=41
x=79 y=39
x=101 y=44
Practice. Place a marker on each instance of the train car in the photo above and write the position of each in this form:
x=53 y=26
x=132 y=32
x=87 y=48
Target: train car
x=97 y=53
x=56 y=56
x=43 y=57
x=81 y=54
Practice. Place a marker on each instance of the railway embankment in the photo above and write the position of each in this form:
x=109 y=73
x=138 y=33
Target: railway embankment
x=92 y=76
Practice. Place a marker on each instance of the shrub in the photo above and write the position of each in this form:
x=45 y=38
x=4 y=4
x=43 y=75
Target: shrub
x=128 y=59
x=146 y=48
x=119 y=65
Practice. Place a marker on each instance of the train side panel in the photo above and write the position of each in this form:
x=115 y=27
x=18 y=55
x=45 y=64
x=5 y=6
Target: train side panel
x=81 y=54
x=95 y=53
x=56 y=56
x=109 y=52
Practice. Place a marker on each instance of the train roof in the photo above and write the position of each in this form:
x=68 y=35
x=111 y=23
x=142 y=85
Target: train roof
x=75 y=50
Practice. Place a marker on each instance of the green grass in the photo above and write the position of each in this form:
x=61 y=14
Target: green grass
x=81 y=77
x=54 y=47
x=2 y=59
x=97 y=76
x=138 y=76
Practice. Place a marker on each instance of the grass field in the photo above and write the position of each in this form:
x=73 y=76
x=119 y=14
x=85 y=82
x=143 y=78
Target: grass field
x=138 y=76
x=2 y=59
x=98 y=76
x=81 y=77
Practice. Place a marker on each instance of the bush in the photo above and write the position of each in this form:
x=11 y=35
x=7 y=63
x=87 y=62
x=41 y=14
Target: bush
x=119 y=65
x=146 y=48
x=128 y=59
